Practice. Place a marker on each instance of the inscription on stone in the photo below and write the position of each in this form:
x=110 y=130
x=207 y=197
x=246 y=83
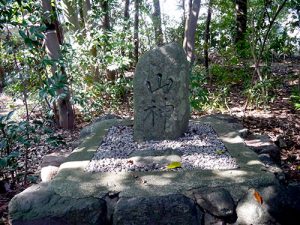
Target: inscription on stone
x=161 y=105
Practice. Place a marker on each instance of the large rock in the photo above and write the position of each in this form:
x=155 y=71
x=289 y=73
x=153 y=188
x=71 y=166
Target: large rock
x=280 y=205
x=217 y=202
x=38 y=205
x=54 y=159
x=161 y=95
x=157 y=210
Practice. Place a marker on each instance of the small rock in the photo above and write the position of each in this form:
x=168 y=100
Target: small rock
x=48 y=173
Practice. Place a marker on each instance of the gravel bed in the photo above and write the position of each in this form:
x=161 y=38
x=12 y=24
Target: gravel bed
x=199 y=148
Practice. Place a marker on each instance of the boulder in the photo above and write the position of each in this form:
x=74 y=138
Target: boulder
x=38 y=205
x=173 y=209
x=54 y=159
x=212 y=220
x=161 y=94
x=217 y=202
x=280 y=205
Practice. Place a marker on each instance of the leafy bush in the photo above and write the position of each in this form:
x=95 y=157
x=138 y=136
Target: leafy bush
x=199 y=95
x=16 y=138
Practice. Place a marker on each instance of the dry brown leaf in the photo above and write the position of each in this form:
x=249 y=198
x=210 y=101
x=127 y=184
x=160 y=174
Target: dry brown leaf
x=258 y=197
x=130 y=161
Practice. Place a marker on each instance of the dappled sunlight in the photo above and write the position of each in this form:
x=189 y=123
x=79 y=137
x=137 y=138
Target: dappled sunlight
x=232 y=139
x=254 y=162
x=169 y=175
x=157 y=180
x=74 y=165
x=234 y=175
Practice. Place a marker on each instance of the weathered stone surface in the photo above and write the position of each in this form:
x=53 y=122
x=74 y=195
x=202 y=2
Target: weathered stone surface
x=89 y=129
x=262 y=144
x=211 y=220
x=159 y=158
x=54 y=159
x=48 y=173
x=161 y=97
x=157 y=210
x=281 y=205
x=218 y=202
x=39 y=206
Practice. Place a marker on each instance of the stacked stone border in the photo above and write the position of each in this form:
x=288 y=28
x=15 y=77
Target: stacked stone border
x=166 y=197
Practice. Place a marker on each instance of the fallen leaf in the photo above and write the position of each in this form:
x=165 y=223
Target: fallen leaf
x=130 y=162
x=174 y=165
x=220 y=152
x=258 y=197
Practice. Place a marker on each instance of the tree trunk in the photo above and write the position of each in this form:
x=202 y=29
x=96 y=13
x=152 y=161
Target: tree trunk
x=52 y=43
x=84 y=8
x=206 y=39
x=105 y=18
x=1 y=78
x=241 y=19
x=126 y=23
x=183 y=17
x=126 y=10
x=190 y=30
x=136 y=31
x=70 y=11
x=156 y=18
x=110 y=75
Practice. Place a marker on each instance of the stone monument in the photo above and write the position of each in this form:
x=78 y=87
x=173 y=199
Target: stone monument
x=161 y=94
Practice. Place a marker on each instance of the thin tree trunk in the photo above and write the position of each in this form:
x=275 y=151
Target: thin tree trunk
x=156 y=18
x=52 y=43
x=206 y=40
x=126 y=10
x=136 y=31
x=110 y=74
x=190 y=30
x=1 y=78
x=257 y=56
x=105 y=18
x=241 y=19
x=183 y=17
x=126 y=23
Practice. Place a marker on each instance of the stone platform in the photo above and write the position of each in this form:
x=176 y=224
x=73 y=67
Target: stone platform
x=136 y=198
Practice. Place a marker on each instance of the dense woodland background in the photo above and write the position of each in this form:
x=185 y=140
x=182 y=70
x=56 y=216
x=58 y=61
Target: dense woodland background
x=69 y=61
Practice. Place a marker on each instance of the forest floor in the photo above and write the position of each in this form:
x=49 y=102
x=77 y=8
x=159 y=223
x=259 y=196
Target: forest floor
x=280 y=121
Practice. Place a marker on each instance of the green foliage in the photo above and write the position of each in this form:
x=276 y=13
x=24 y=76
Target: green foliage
x=16 y=138
x=199 y=95
x=295 y=98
